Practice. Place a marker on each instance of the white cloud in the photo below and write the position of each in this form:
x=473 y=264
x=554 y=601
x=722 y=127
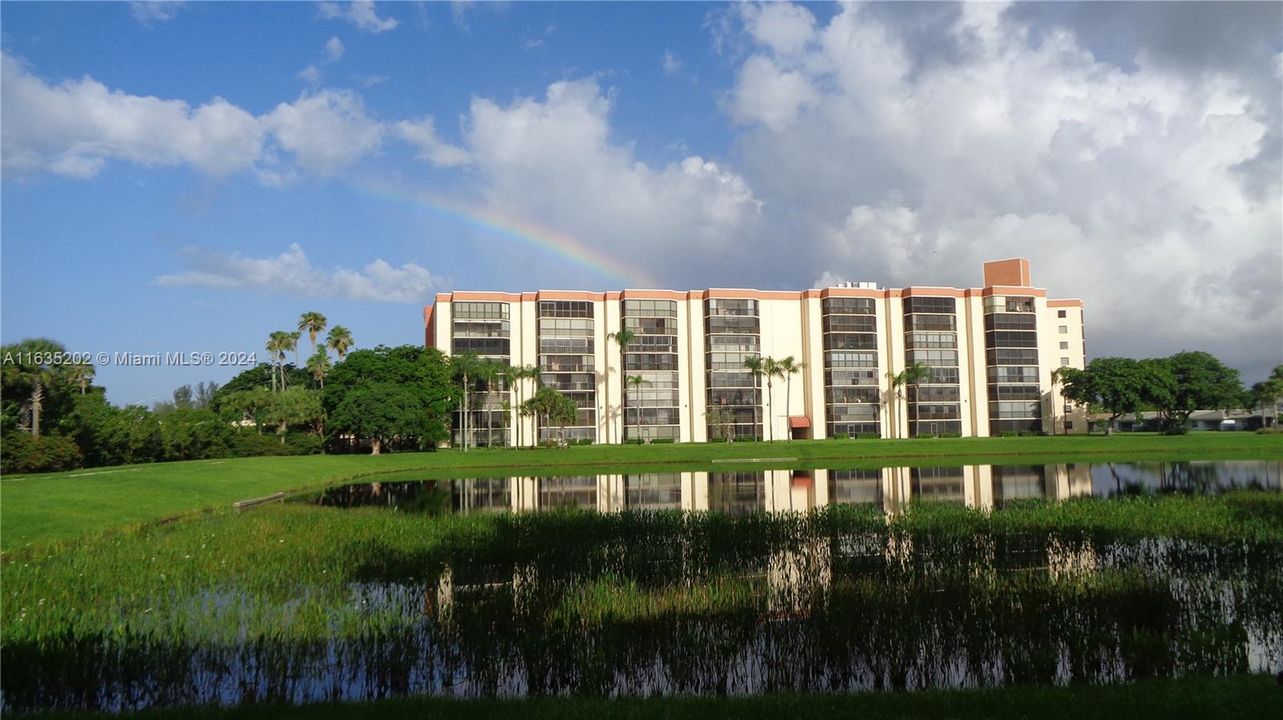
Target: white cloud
x=671 y=63
x=360 y=13
x=552 y=161
x=334 y=49
x=76 y=127
x=310 y=75
x=154 y=11
x=783 y=27
x=1122 y=186
x=423 y=135
x=770 y=95
x=326 y=131
x=291 y=273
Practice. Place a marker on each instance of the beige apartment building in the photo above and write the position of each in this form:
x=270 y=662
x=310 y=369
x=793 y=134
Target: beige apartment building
x=992 y=353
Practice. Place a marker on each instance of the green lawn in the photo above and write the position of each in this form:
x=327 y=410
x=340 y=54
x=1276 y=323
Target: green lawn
x=1249 y=697
x=60 y=506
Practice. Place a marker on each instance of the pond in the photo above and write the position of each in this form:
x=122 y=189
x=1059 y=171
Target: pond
x=852 y=591
x=979 y=486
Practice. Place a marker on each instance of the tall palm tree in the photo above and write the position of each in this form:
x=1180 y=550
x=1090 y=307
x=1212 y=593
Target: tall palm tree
x=294 y=337
x=635 y=382
x=762 y=366
x=339 y=340
x=911 y=375
x=278 y=343
x=465 y=367
x=319 y=365
x=81 y=374
x=622 y=338
x=37 y=371
x=1057 y=377
x=312 y=323
x=787 y=368
x=518 y=375
x=488 y=372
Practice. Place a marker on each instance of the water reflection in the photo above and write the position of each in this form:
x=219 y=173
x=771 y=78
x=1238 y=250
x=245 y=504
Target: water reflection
x=745 y=492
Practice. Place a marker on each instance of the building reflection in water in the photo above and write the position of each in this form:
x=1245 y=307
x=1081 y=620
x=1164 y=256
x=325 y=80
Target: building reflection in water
x=743 y=492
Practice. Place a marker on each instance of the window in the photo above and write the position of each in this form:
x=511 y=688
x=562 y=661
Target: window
x=1064 y=362
x=1061 y=313
x=1064 y=345
x=1064 y=329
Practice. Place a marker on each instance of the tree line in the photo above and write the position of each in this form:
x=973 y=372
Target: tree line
x=1174 y=387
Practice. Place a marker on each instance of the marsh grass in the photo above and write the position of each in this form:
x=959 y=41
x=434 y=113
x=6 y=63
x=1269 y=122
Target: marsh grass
x=297 y=603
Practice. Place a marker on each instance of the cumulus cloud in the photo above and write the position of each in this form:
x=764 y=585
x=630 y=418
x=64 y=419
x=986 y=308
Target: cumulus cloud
x=291 y=273
x=76 y=127
x=360 y=13
x=423 y=135
x=1125 y=186
x=326 y=131
x=552 y=161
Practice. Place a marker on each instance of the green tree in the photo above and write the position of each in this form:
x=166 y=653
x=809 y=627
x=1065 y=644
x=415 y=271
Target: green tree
x=518 y=376
x=312 y=323
x=465 y=367
x=423 y=373
x=192 y=434
x=787 y=368
x=554 y=408
x=911 y=375
x=381 y=412
x=1265 y=395
x=1200 y=381
x=1116 y=385
x=295 y=406
x=32 y=372
x=340 y=341
x=758 y=365
x=719 y=418
x=319 y=364
x=635 y=382
x=81 y=374
x=623 y=337
x=250 y=404
x=279 y=343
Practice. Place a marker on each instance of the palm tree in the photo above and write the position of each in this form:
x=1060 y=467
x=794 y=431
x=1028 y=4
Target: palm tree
x=38 y=372
x=339 y=340
x=518 y=375
x=82 y=374
x=294 y=337
x=787 y=368
x=911 y=375
x=488 y=371
x=277 y=345
x=312 y=323
x=1057 y=377
x=635 y=382
x=465 y=367
x=762 y=367
x=622 y=338
x=319 y=365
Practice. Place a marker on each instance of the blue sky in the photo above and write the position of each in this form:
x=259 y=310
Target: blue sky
x=193 y=176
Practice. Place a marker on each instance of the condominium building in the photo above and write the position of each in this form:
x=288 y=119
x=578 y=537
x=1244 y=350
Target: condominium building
x=644 y=365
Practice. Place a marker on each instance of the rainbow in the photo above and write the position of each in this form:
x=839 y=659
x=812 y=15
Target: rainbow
x=522 y=230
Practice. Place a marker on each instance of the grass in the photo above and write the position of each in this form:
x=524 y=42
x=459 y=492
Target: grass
x=1249 y=697
x=36 y=509
x=591 y=595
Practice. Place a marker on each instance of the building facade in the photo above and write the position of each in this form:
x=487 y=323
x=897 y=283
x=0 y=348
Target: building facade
x=646 y=365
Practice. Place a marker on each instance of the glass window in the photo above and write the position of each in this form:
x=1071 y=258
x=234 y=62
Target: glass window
x=1061 y=313
x=1063 y=329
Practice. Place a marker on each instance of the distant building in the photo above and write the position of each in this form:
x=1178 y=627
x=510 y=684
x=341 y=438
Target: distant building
x=991 y=350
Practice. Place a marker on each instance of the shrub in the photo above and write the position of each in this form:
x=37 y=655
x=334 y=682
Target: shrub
x=251 y=444
x=22 y=453
x=839 y=436
x=870 y=436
